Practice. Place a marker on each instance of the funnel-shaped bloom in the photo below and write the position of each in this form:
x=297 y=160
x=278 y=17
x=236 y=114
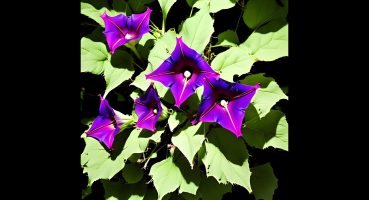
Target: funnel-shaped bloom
x=148 y=109
x=121 y=29
x=107 y=124
x=182 y=72
x=225 y=103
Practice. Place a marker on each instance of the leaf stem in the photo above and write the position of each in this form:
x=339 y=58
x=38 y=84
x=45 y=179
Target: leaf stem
x=134 y=50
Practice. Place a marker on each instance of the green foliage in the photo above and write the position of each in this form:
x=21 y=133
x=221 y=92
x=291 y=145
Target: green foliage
x=101 y=164
x=234 y=61
x=263 y=182
x=210 y=189
x=267 y=95
x=119 y=190
x=132 y=173
x=189 y=140
x=97 y=60
x=172 y=173
x=214 y=5
x=196 y=31
x=228 y=38
x=270 y=42
x=91 y=12
x=226 y=158
x=270 y=131
x=260 y=12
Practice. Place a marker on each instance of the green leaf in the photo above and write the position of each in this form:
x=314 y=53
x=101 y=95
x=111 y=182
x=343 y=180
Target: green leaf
x=97 y=35
x=226 y=158
x=189 y=140
x=119 y=190
x=152 y=136
x=86 y=192
x=215 y=5
x=263 y=182
x=121 y=6
x=161 y=51
x=210 y=189
x=269 y=42
x=96 y=59
x=231 y=62
x=91 y=12
x=165 y=6
x=94 y=56
x=100 y=164
x=132 y=173
x=196 y=31
x=120 y=70
x=175 y=119
x=191 y=2
x=138 y=6
x=172 y=173
x=259 y=12
x=270 y=131
x=267 y=95
x=228 y=38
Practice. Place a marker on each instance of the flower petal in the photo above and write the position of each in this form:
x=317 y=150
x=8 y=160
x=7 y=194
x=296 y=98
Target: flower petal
x=144 y=108
x=105 y=109
x=139 y=23
x=104 y=130
x=115 y=30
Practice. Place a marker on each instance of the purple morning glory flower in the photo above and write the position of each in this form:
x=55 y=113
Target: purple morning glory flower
x=107 y=124
x=121 y=29
x=148 y=109
x=225 y=103
x=182 y=72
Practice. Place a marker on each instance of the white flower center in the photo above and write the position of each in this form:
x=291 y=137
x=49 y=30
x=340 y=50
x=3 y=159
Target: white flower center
x=155 y=111
x=128 y=36
x=223 y=103
x=187 y=74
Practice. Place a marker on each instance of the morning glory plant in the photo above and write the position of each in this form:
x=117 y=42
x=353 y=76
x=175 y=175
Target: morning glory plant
x=183 y=72
x=225 y=103
x=192 y=113
x=148 y=109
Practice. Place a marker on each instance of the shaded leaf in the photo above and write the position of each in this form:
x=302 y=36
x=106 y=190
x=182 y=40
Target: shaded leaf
x=226 y=158
x=119 y=190
x=270 y=131
x=196 y=30
x=132 y=173
x=228 y=38
x=259 y=12
x=263 y=182
x=210 y=189
x=234 y=61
